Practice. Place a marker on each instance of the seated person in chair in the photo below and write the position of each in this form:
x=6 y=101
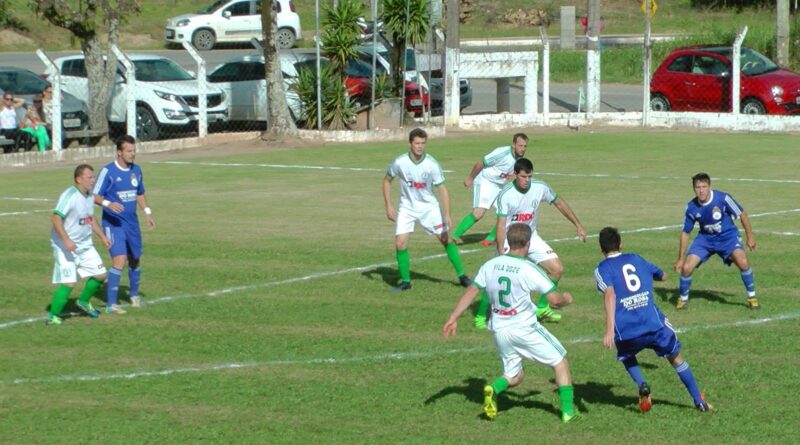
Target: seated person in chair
x=8 y=115
x=34 y=125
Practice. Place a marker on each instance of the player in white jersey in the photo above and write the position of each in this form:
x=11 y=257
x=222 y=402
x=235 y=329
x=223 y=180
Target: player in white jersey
x=509 y=281
x=71 y=242
x=487 y=178
x=419 y=173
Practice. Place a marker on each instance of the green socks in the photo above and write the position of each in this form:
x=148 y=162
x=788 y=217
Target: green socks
x=483 y=305
x=60 y=297
x=542 y=303
x=404 y=265
x=464 y=225
x=567 y=394
x=91 y=288
x=455 y=257
x=500 y=384
x=492 y=236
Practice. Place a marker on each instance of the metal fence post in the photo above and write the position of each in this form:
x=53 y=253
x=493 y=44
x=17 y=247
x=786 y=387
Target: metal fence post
x=130 y=95
x=736 y=76
x=55 y=118
x=546 y=73
x=202 y=94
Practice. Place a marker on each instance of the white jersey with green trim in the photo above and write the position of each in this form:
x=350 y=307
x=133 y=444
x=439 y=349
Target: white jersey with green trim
x=416 y=179
x=498 y=165
x=77 y=212
x=521 y=206
x=509 y=281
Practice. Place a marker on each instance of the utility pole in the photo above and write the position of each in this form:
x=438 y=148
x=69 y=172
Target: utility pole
x=593 y=57
x=452 y=97
x=782 y=36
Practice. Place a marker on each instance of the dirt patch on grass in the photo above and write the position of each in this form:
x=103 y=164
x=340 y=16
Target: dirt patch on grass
x=11 y=38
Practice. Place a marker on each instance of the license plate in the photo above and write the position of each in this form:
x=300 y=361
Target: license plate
x=214 y=118
x=170 y=33
x=72 y=123
x=797 y=100
x=416 y=102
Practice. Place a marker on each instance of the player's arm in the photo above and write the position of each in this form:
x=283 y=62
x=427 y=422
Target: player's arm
x=58 y=226
x=115 y=207
x=748 y=231
x=609 y=302
x=500 y=234
x=566 y=210
x=474 y=173
x=99 y=232
x=387 y=198
x=444 y=196
x=141 y=200
x=466 y=300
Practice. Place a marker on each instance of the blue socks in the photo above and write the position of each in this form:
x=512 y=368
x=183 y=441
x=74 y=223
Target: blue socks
x=112 y=286
x=686 y=284
x=632 y=366
x=749 y=281
x=134 y=276
x=687 y=377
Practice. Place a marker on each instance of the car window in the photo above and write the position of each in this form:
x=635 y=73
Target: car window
x=754 y=63
x=159 y=70
x=213 y=7
x=75 y=67
x=682 y=64
x=310 y=64
x=21 y=82
x=239 y=9
x=709 y=65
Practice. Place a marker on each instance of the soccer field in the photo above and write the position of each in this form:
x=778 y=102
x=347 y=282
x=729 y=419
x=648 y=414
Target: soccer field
x=267 y=316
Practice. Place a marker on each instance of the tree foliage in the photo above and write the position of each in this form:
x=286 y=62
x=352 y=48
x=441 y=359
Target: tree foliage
x=340 y=38
x=407 y=23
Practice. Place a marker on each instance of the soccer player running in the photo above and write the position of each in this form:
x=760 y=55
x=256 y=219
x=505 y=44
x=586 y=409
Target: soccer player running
x=714 y=211
x=487 y=178
x=419 y=172
x=71 y=242
x=509 y=281
x=519 y=202
x=633 y=321
x=119 y=189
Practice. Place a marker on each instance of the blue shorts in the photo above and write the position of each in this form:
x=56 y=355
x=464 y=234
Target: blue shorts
x=664 y=342
x=704 y=247
x=125 y=240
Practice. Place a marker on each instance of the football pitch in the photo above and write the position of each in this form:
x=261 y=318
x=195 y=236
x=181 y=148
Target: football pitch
x=267 y=316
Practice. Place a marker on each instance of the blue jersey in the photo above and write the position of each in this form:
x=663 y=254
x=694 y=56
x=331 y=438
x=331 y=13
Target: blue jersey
x=631 y=277
x=121 y=185
x=714 y=217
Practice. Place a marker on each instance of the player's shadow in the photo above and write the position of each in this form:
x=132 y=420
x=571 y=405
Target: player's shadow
x=472 y=391
x=600 y=393
x=392 y=277
x=473 y=238
x=671 y=295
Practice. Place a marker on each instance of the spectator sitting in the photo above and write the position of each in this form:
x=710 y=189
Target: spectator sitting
x=35 y=125
x=8 y=115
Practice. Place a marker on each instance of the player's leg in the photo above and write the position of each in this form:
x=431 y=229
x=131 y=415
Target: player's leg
x=546 y=258
x=134 y=240
x=667 y=345
x=739 y=257
x=512 y=371
x=566 y=392
x=482 y=314
x=433 y=223
x=90 y=265
x=482 y=198
x=467 y=222
x=119 y=253
x=65 y=276
x=691 y=263
x=403 y=261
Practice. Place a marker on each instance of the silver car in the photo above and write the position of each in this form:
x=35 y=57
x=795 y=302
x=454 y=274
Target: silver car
x=26 y=84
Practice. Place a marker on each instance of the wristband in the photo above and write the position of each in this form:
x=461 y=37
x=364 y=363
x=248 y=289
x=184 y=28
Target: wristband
x=147 y=211
x=106 y=203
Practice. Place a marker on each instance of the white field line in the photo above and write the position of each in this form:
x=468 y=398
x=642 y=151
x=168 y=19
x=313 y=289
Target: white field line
x=26 y=212
x=538 y=173
x=412 y=355
x=13 y=198
x=315 y=276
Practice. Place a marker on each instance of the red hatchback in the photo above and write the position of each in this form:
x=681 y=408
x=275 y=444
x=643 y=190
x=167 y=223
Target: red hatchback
x=699 y=79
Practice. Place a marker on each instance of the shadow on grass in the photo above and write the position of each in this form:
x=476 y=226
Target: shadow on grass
x=474 y=238
x=472 y=391
x=671 y=295
x=391 y=277
x=601 y=393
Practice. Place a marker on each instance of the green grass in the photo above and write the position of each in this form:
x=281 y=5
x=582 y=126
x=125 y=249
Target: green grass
x=233 y=347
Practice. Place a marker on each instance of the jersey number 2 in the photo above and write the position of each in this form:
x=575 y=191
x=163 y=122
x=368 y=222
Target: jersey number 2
x=505 y=290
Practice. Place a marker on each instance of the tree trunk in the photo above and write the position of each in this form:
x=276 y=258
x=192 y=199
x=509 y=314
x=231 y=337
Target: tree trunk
x=99 y=89
x=397 y=54
x=279 y=120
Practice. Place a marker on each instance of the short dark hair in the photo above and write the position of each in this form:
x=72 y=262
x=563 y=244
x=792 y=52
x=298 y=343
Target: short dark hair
x=125 y=138
x=80 y=169
x=701 y=177
x=417 y=133
x=523 y=165
x=518 y=234
x=522 y=136
x=610 y=239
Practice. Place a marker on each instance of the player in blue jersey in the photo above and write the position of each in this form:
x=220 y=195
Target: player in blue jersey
x=714 y=211
x=633 y=321
x=119 y=190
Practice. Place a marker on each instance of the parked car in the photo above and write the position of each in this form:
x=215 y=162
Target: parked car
x=166 y=95
x=437 y=94
x=699 y=79
x=228 y=21
x=26 y=84
x=416 y=96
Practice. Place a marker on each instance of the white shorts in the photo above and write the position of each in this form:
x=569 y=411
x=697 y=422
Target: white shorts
x=532 y=342
x=539 y=250
x=484 y=194
x=429 y=217
x=69 y=265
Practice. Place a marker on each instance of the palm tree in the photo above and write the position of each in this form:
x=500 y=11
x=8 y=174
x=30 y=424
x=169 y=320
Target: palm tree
x=406 y=22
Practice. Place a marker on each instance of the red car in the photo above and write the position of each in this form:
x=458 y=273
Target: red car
x=699 y=79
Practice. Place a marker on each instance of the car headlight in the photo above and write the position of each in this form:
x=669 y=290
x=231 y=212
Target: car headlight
x=169 y=96
x=182 y=22
x=776 y=90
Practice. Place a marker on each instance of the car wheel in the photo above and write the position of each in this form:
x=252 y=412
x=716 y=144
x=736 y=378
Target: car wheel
x=204 y=39
x=659 y=103
x=753 y=106
x=146 y=124
x=285 y=38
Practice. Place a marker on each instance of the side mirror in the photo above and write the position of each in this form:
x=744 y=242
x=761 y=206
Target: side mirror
x=226 y=14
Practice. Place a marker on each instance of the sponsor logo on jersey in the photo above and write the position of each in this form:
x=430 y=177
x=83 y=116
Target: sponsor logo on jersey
x=86 y=221
x=417 y=185
x=716 y=213
x=134 y=180
x=521 y=217
x=118 y=179
x=127 y=195
x=505 y=312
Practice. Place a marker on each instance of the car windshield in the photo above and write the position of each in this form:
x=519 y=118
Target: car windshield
x=159 y=70
x=213 y=7
x=754 y=63
x=21 y=82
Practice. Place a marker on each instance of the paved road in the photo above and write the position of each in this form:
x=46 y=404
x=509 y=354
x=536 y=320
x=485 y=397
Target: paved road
x=563 y=97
